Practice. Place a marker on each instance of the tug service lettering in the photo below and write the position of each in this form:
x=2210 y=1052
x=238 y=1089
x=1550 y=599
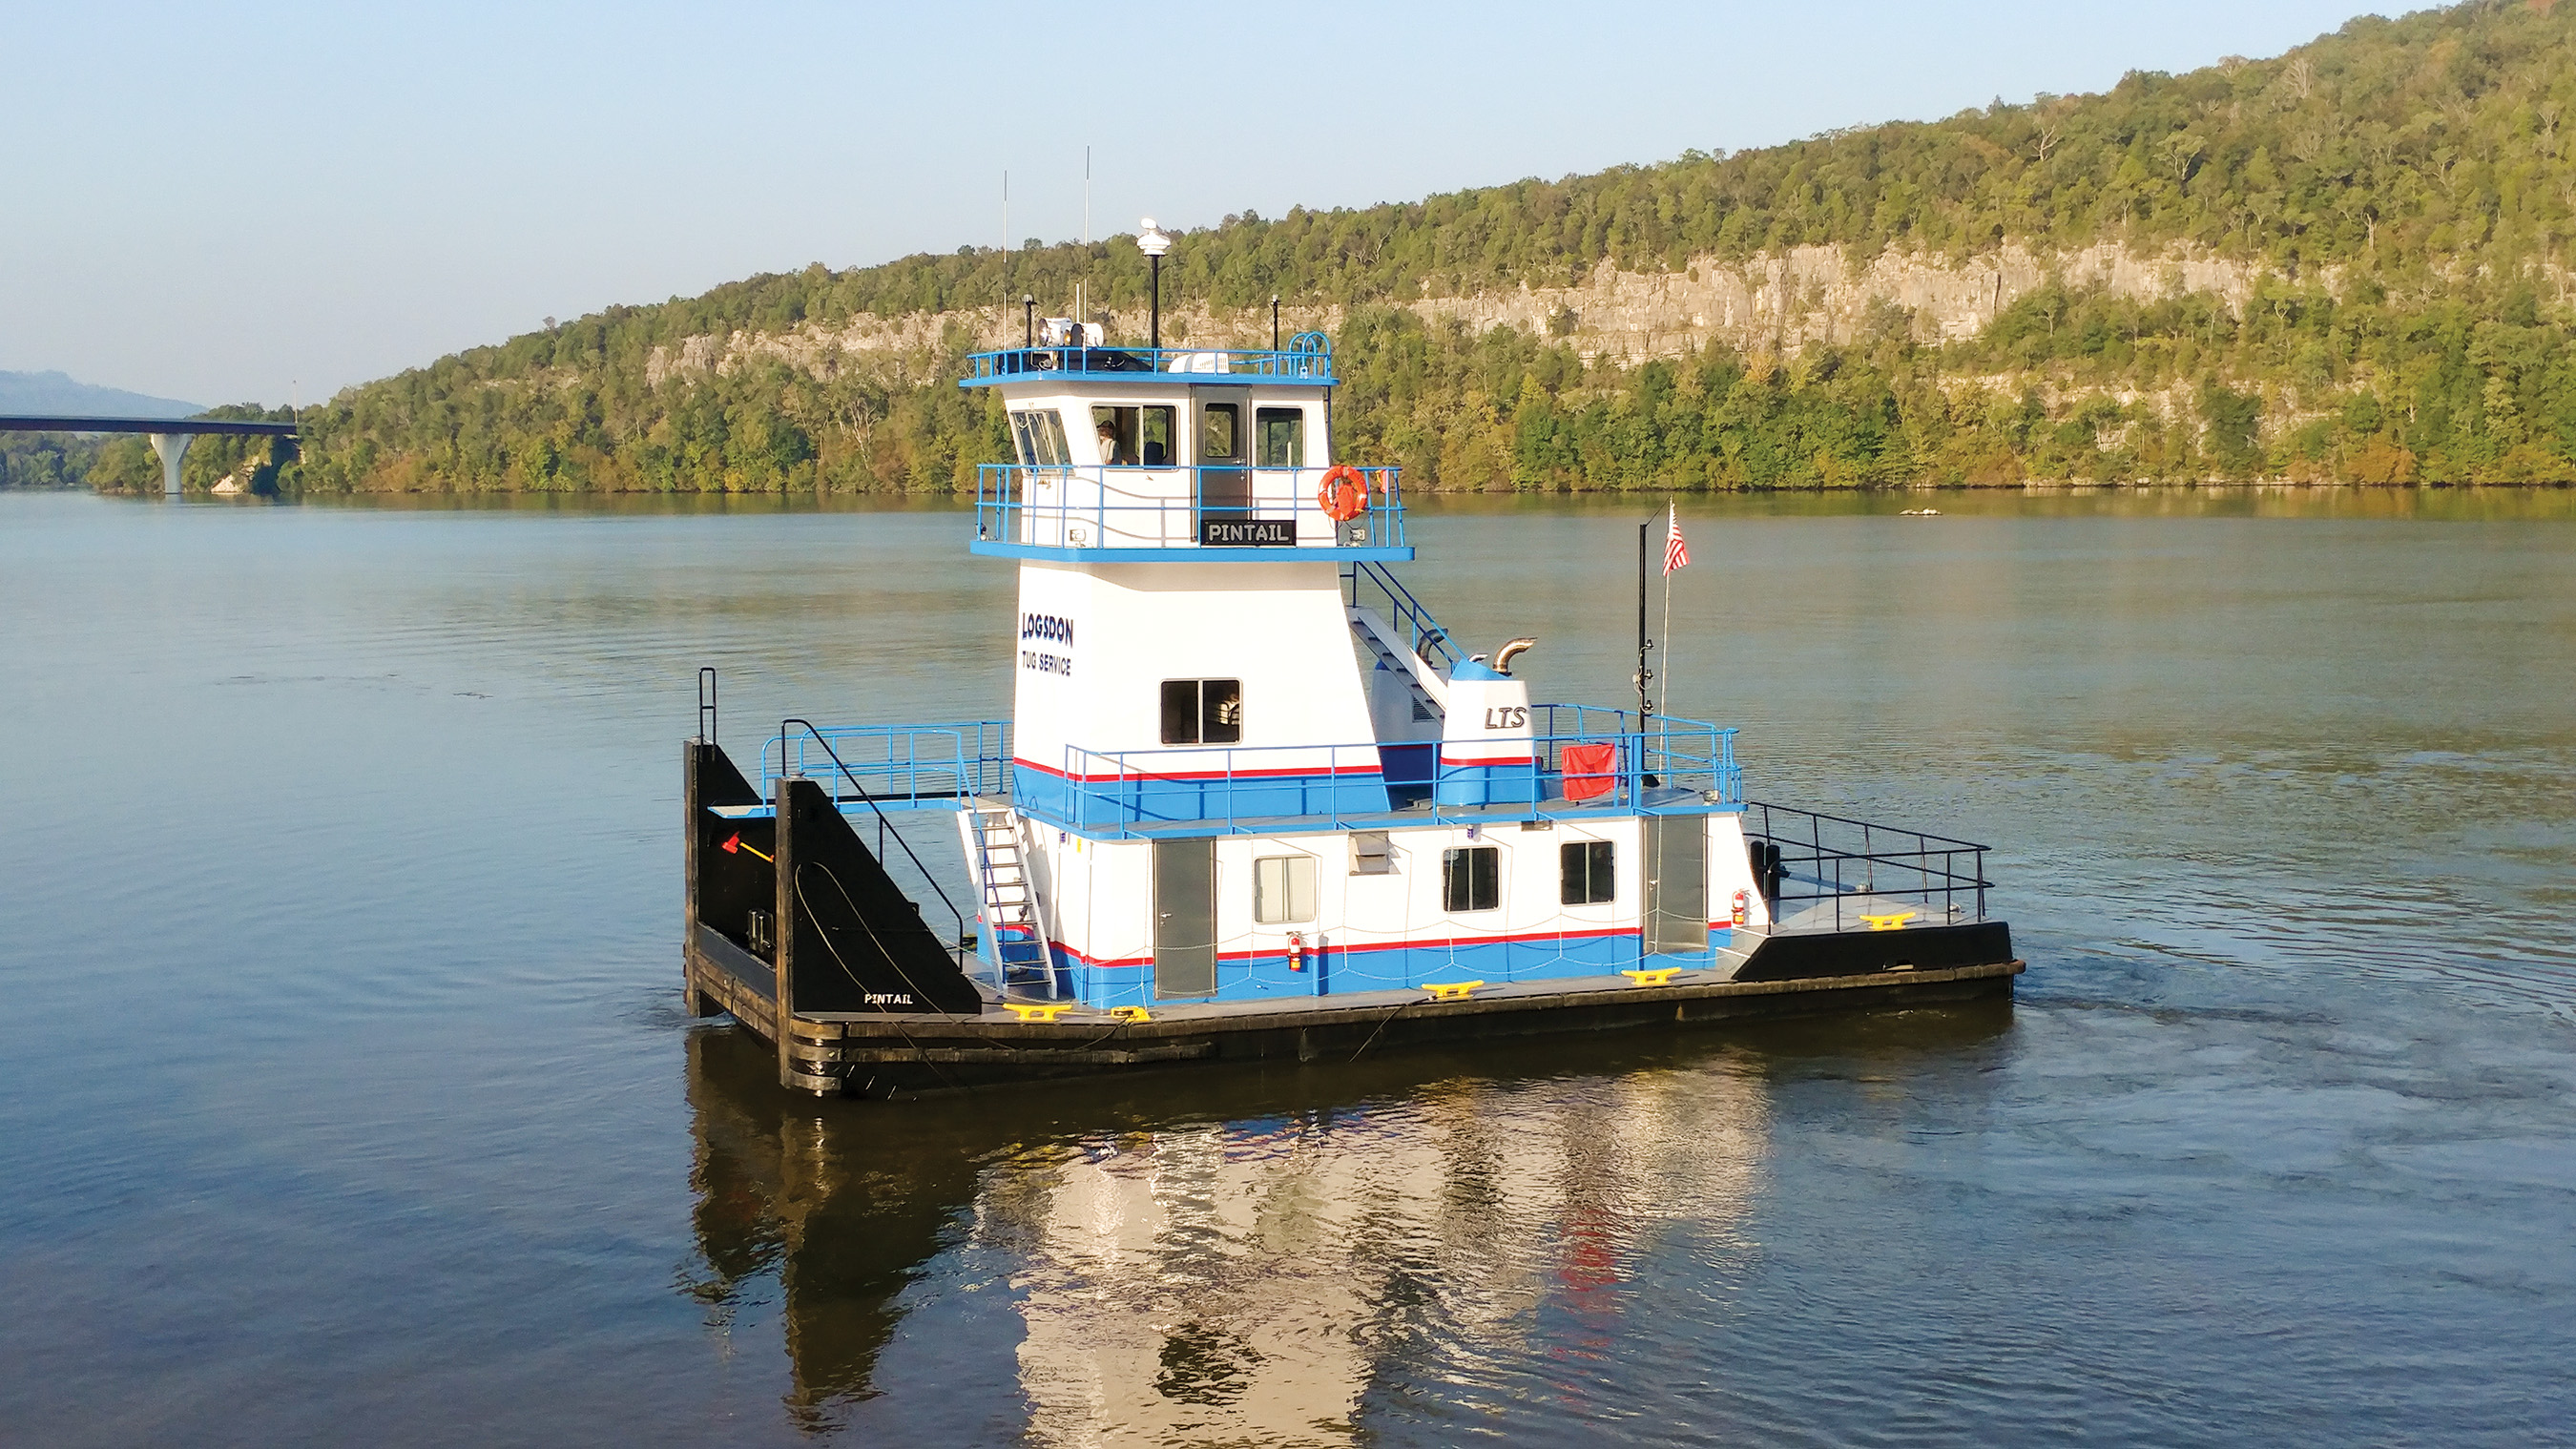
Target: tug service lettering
x=1052 y=629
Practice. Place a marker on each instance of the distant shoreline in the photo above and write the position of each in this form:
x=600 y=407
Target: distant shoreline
x=1411 y=494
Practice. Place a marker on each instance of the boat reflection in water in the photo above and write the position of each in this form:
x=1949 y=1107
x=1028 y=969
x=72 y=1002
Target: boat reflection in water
x=1234 y=1259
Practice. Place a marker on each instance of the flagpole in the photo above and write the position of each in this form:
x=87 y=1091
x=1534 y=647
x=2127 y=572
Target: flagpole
x=1644 y=708
x=1664 y=692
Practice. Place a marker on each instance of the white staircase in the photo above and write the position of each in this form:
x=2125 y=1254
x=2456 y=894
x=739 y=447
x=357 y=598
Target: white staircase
x=1019 y=951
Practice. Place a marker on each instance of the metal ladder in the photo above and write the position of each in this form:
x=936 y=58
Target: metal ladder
x=1020 y=952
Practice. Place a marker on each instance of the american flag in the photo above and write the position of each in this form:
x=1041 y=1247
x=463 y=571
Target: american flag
x=1676 y=552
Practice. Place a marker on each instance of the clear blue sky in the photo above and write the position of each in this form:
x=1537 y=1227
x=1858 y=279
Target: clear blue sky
x=226 y=203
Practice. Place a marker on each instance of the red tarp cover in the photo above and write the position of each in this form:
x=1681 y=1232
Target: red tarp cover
x=1590 y=770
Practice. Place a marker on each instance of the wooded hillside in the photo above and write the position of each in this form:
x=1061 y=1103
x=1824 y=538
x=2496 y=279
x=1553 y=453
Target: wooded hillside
x=2350 y=262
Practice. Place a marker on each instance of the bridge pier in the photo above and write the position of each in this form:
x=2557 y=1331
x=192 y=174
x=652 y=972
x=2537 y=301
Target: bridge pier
x=171 y=447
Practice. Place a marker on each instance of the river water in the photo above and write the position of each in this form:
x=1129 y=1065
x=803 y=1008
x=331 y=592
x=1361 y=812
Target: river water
x=345 y=1092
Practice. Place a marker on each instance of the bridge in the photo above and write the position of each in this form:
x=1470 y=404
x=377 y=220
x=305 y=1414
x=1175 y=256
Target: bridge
x=169 y=436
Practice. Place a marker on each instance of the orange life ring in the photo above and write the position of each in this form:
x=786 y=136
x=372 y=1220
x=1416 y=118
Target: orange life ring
x=1344 y=495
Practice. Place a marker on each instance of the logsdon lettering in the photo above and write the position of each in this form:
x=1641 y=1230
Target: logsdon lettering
x=1047 y=626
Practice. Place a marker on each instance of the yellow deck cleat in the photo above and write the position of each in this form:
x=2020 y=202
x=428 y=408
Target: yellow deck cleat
x=1890 y=923
x=1451 y=990
x=1131 y=1013
x=1653 y=976
x=1040 y=1012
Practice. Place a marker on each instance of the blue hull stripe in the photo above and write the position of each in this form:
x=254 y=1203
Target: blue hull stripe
x=1342 y=971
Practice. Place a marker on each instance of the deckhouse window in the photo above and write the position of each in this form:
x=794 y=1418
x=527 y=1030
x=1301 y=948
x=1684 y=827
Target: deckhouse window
x=1155 y=443
x=1283 y=889
x=1279 y=438
x=1134 y=437
x=1039 y=432
x=1590 y=875
x=1202 y=711
x=1471 y=879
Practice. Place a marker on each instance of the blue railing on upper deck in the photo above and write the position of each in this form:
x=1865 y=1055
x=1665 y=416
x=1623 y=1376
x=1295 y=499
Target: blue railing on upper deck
x=1097 y=506
x=1235 y=788
x=904 y=765
x=1307 y=358
x=1120 y=793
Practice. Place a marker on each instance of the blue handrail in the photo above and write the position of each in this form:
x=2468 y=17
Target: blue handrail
x=803 y=730
x=1114 y=792
x=1120 y=792
x=906 y=766
x=1100 y=506
x=1308 y=358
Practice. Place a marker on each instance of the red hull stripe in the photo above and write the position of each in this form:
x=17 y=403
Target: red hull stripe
x=1425 y=943
x=1280 y=774
x=1097 y=961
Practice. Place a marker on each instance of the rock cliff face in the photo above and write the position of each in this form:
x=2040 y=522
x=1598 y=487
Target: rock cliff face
x=1779 y=303
x=1774 y=303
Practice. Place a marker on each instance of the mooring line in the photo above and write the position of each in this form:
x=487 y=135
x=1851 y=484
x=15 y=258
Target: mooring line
x=840 y=961
x=1381 y=1026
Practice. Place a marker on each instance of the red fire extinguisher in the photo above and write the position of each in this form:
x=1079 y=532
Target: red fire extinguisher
x=1743 y=908
x=1296 y=950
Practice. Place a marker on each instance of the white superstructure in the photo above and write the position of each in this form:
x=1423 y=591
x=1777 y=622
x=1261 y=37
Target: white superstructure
x=1244 y=763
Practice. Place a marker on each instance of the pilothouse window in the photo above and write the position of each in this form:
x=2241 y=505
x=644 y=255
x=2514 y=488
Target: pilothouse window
x=1202 y=711
x=1134 y=437
x=1279 y=438
x=1155 y=445
x=1039 y=432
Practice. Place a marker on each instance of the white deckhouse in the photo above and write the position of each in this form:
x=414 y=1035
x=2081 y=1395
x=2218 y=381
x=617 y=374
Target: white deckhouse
x=1244 y=763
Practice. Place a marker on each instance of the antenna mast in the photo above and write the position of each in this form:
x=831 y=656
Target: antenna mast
x=1081 y=294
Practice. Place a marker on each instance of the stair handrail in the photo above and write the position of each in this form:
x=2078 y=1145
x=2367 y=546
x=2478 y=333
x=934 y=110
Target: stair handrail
x=883 y=824
x=1429 y=639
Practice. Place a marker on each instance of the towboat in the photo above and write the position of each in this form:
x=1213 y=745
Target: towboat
x=1253 y=802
